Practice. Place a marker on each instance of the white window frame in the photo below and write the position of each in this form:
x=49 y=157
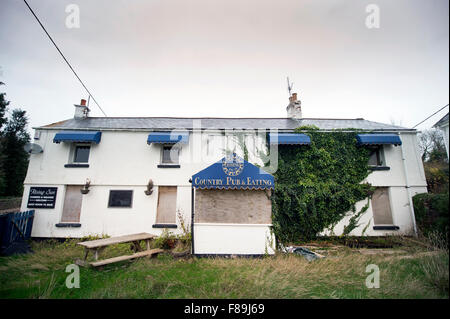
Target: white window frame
x=381 y=156
x=73 y=149
x=172 y=146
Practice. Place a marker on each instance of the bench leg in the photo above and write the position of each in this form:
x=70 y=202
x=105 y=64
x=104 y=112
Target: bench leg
x=86 y=253
x=83 y=262
x=147 y=242
x=97 y=252
x=136 y=246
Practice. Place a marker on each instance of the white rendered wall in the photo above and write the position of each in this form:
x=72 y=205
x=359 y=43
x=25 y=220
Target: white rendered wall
x=401 y=216
x=97 y=219
x=123 y=160
x=398 y=193
x=239 y=239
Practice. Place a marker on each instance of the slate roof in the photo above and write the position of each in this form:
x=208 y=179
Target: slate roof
x=442 y=121
x=169 y=123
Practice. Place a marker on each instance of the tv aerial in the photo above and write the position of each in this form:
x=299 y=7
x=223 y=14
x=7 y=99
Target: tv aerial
x=32 y=148
x=290 y=86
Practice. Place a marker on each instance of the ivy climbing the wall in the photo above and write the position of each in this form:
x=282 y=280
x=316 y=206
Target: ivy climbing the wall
x=317 y=185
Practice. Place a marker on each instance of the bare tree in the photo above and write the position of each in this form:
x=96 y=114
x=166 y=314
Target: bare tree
x=430 y=141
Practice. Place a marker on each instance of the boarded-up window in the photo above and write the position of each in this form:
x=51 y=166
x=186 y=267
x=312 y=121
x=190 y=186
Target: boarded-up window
x=232 y=206
x=381 y=207
x=72 y=204
x=167 y=205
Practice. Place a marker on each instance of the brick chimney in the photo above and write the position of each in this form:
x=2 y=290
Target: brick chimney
x=294 y=109
x=81 y=110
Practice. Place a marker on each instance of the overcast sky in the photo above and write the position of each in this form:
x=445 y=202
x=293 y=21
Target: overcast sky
x=228 y=58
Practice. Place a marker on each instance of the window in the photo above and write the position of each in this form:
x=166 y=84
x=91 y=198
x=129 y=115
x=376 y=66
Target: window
x=167 y=205
x=81 y=153
x=170 y=155
x=376 y=157
x=120 y=198
x=381 y=207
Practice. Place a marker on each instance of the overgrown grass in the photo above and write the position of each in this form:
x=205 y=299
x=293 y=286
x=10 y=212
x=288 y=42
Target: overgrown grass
x=418 y=273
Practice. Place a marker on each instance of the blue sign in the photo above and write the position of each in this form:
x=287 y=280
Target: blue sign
x=232 y=172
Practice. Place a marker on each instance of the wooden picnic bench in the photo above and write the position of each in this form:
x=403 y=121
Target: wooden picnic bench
x=96 y=246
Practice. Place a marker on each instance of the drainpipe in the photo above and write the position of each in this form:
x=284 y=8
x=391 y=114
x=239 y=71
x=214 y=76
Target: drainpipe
x=411 y=206
x=192 y=218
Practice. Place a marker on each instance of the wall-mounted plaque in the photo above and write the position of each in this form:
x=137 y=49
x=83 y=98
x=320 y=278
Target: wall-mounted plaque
x=42 y=197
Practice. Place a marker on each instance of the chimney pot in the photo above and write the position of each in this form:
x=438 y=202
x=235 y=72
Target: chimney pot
x=294 y=109
x=81 y=110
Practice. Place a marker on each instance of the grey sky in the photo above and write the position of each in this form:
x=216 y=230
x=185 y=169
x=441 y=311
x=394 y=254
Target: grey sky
x=229 y=58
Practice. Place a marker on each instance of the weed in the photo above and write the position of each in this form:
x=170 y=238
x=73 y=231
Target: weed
x=340 y=275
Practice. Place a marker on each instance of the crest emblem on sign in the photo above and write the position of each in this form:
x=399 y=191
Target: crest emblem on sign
x=232 y=165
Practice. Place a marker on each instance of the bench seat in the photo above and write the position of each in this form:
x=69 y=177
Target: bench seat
x=92 y=244
x=126 y=257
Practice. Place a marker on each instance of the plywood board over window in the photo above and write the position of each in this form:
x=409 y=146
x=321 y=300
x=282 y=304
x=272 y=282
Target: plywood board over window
x=167 y=205
x=381 y=207
x=232 y=206
x=72 y=204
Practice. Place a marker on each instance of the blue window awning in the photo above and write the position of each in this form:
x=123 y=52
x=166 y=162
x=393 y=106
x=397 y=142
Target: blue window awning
x=233 y=172
x=78 y=136
x=168 y=137
x=378 y=139
x=289 y=139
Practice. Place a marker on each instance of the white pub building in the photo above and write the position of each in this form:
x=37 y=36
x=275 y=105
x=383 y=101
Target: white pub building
x=125 y=175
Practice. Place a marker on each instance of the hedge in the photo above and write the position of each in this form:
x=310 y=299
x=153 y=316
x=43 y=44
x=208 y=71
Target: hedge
x=431 y=212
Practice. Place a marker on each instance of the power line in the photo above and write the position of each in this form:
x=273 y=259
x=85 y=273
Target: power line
x=430 y=116
x=43 y=28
